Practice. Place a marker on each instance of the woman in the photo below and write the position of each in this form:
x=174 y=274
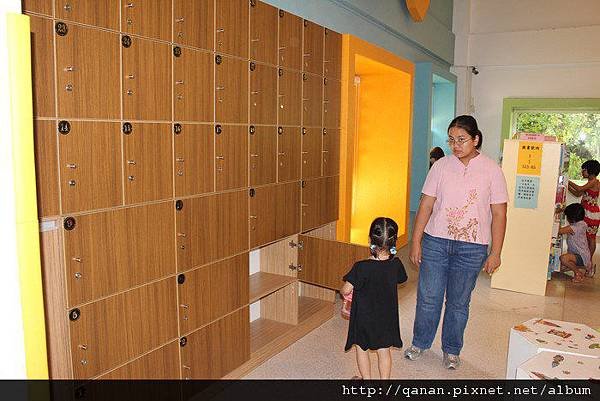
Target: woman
x=435 y=154
x=462 y=208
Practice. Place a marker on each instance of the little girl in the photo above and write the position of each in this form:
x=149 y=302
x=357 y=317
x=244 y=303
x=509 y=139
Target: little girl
x=578 y=254
x=374 y=323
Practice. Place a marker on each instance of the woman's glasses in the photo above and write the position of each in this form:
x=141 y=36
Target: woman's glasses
x=459 y=141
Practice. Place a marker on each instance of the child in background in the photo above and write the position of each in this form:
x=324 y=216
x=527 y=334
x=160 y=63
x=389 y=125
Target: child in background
x=578 y=253
x=374 y=322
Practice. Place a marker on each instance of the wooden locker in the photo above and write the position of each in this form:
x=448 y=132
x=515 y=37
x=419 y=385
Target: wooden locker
x=274 y=213
x=263 y=32
x=115 y=330
x=232 y=26
x=290 y=100
x=312 y=100
x=311 y=152
x=290 y=40
x=313 y=48
x=100 y=13
x=146 y=79
x=42 y=66
x=160 y=364
x=90 y=165
x=111 y=251
x=194 y=23
x=331 y=151
x=148 y=162
x=330 y=202
x=37 y=6
x=332 y=56
x=87 y=70
x=193 y=76
x=211 y=228
x=319 y=202
x=263 y=155
x=263 y=94
x=332 y=103
x=46 y=170
x=194 y=159
x=231 y=156
x=289 y=153
x=212 y=291
x=217 y=349
x=149 y=18
x=231 y=90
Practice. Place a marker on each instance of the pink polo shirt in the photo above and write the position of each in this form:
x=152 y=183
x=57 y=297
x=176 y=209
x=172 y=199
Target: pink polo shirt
x=463 y=195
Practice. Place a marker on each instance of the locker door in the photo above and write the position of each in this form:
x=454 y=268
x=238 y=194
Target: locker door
x=330 y=202
x=148 y=162
x=146 y=79
x=37 y=6
x=290 y=100
x=114 y=330
x=210 y=228
x=231 y=90
x=100 y=13
x=263 y=94
x=325 y=262
x=217 y=349
x=112 y=251
x=90 y=166
x=193 y=77
x=289 y=152
x=194 y=23
x=263 y=155
x=312 y=100
x=313 y=48
x=332 y=103
x=319 y=202
x=194 y=159
x=332 y=57
x=263 y=32
x=331 y=151
x=311 y=152
x=161 y=364
x=290 y=40
x=149 y=18
x=232 y=27
x=231 y=157
x=87 y=69
x=42 y=66
x=46 y=170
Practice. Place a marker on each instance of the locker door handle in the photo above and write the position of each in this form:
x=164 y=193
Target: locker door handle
x=255 y=40
x=307 y=54
x=253 y=155
x=220 y=88
x=131 y=162
x=179 y=160
x=67 y=7
x=71 y=165
x=181 y=19
x=254 y=217
x=220 y=157
x=76 y=259
x=184 y=306
x=69 y=68
x=281 y=153
x=220 y=30
x=129 y=5
x=69 y=88
x=179 y=82
x=130 y=76
x=182 y=235
x=254 y=92
x=129 y=21
x=78 y=275
x=282 y=47
x=304 y=204
x=129 y=92
x=325 y=151
x=131 y=177
x=72 y=183
x=82 y=347
x=304 y=152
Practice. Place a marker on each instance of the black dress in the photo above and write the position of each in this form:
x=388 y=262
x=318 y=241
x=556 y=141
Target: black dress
x=374 y=319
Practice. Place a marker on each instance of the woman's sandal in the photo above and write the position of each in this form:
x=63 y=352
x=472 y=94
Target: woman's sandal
x=591 y=272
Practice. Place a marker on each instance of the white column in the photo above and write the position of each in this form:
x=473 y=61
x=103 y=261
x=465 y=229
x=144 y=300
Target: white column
x=461 y=26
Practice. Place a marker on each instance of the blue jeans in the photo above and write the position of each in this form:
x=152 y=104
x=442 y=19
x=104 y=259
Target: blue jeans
x=449 y=267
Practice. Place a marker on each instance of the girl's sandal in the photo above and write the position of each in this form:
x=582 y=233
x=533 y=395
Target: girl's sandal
x=578 y=279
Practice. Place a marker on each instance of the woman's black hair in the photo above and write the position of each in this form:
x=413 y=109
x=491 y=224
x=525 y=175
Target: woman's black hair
x=383 y=234
x=436 y=153
x=574 y=212
x=592 y=167
x=469 y=124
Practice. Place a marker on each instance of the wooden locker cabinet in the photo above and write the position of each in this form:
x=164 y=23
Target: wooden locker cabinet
x=148 y=18
x=311 y=152
x=194 y=23
x=332 y=103
x=312 y=100
x=319 y=202
x=201 y=238
x=116 y=329
x=90 y=166
x=290 y=40
x=115 y=250
x=101 y=13
x=289 y=103
x=289 y=152
x=194 y=159
x=332 y=57
x=331 y=151
x=212 y=291
x=37 y=6
x=160 y=364
x=263 y=155
x=231 y=90
x=263 y=32
x=146 y=79
x=193 y=83
x=42 y=66
x=46 y=167
x=312 y=60
x=231 y=156
x=232 y=25
x=148 y=162
x=87 y=71
x=263 y=94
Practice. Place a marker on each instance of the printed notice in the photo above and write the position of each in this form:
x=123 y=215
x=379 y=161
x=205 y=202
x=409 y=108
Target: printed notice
x=526 y=192
x=530 y=158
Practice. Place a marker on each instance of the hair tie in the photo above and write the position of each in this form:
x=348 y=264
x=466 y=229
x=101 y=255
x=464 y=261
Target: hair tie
x=372 y=247
x=393 y=250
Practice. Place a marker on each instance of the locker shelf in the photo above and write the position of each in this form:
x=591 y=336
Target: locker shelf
x=262 y=284
x=309 y=308
x=264 y=333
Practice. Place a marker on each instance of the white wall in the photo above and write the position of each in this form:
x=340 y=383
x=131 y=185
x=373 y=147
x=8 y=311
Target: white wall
x=525 y=48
